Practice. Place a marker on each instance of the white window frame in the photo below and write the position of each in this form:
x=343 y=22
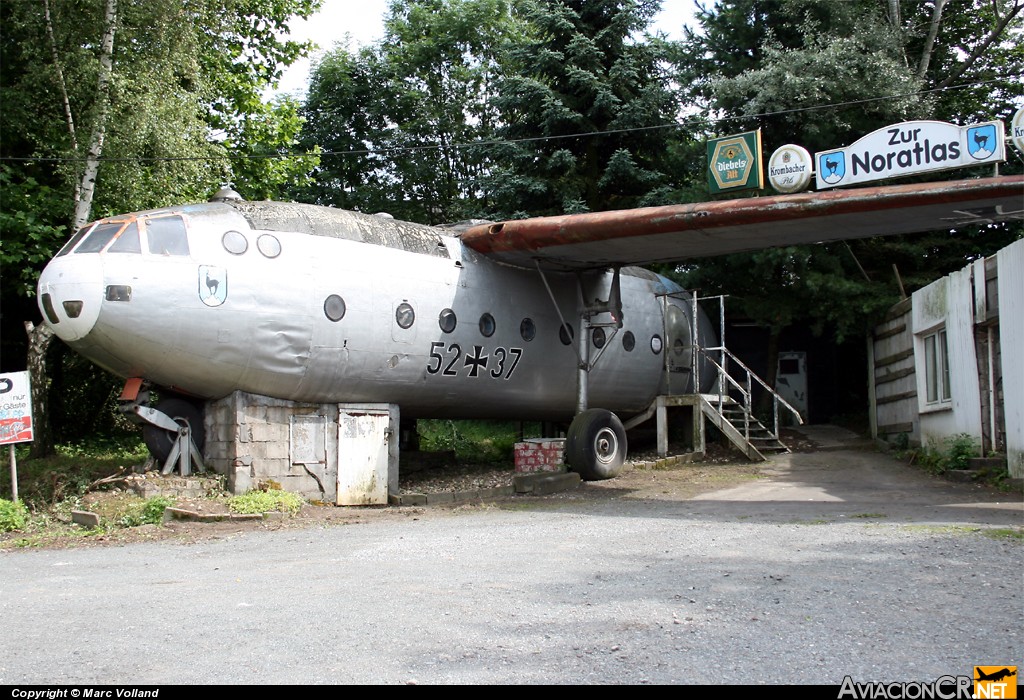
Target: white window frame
x=938 y=391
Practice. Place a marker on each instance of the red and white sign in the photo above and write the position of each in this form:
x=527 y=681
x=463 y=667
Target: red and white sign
x=15 y=408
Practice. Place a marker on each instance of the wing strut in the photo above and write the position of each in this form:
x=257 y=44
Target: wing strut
x=612 y=306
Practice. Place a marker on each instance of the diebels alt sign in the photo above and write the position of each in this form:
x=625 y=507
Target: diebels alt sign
x=734 y=163
x=909 y=148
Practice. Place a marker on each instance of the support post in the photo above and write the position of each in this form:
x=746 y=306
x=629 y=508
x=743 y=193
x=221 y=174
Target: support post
x=583 y=371
x=662 y=422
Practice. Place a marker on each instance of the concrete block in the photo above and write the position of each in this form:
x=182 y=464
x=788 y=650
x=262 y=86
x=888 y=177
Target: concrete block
x=408 y=499
x=85 y=518
x=556 y=483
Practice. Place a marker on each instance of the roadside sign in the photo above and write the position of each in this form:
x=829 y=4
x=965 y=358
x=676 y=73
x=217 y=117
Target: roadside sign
x=734 y=163
x=15 y=408
x=910 y=148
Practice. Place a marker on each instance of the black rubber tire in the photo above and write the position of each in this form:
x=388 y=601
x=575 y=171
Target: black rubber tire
x=160 y=442
x=595 y=446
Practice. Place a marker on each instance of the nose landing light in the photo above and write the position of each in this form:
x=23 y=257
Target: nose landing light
x=73 y=308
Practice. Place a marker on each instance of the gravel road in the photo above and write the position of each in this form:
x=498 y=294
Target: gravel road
x=836 y=563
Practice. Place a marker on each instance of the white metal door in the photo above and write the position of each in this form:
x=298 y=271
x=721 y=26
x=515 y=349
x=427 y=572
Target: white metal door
x=791 y=381
x=363 y=458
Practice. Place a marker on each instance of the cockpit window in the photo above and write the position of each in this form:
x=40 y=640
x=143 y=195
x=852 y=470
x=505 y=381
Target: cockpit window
x=167 y=236
x=128 y=241
x=99 y=237
x=75 y=240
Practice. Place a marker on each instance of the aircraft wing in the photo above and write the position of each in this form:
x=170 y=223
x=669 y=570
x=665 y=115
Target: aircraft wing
x=684 y=231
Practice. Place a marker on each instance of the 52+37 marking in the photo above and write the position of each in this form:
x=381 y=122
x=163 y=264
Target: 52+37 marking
x=505 y=361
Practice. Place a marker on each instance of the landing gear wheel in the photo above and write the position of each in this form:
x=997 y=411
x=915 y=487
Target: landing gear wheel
x=160 y=442
x=595 y=446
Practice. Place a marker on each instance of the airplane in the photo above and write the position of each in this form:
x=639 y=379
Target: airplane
x=995 y=675
x=547 y=318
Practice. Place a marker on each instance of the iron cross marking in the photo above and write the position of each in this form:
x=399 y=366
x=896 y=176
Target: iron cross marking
x=476 y=361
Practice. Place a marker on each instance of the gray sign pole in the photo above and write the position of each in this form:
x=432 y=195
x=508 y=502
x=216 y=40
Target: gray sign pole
x=14 y=476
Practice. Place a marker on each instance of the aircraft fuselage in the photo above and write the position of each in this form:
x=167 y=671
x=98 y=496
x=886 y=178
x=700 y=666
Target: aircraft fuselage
x=318 y=305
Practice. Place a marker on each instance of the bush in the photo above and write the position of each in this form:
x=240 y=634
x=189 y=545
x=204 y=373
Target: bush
x=149 y=512
x=13 y=515
x=959 y=449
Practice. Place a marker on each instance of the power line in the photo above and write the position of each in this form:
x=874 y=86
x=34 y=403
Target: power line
x=690 y=121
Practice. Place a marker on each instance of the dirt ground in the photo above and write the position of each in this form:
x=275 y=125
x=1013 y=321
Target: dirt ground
x=722 y=467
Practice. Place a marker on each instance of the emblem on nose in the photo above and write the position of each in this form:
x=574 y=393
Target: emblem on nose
x=213 y=285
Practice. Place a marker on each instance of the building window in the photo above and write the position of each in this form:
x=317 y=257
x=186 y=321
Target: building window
x=936 y=368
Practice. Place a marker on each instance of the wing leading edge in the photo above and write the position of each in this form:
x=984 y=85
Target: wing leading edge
x=679 y=232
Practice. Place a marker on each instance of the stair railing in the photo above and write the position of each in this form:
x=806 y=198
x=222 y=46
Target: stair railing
x=746 y=393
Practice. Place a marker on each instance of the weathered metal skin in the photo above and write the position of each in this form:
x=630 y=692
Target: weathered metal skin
x=213 y=321
x=641 y=236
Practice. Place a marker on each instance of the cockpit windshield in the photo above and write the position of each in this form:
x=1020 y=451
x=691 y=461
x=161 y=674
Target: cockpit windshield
x=164 y=235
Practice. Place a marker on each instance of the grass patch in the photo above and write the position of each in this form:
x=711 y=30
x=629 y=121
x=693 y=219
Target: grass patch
x=148 y=512
x=996 y=533
x=1015 y=534
x=265 y=502
x=869 y=515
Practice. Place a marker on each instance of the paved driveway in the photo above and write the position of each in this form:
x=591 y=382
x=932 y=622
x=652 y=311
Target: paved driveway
x=838 y=563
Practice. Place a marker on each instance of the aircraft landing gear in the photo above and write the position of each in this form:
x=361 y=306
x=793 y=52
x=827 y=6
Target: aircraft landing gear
x=161 y=439
x=595 y=446
x=173 y=430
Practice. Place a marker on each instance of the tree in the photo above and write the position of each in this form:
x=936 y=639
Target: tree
x=112 y=107
x=398 y=116
x=577 y=100
x=821 y=75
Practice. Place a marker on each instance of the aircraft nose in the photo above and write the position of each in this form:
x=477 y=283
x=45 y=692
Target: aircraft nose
x=69 y=294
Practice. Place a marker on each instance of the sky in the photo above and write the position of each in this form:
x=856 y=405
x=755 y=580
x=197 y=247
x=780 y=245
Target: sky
x=364 y=21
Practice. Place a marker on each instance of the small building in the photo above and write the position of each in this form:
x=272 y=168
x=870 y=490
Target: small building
x=949 y=361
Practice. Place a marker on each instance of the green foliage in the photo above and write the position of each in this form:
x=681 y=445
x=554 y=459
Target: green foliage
x=474 y=440
x=13 y=515
x=578 y=77
x=959 y=449
x=383 y=110
x=65 y=475
x=28 y=238
x=265 y=501
x=148 y=512
x=951 y=453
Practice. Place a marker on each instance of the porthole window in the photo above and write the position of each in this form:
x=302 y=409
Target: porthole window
x=405 y=316
x=269 y=245
x=234 y=242
x=599 y=338
x=447 y=320
x=334 y=307
x=565 y=334
x=527 y=329
x=628 y=341
x=677 y=347
x=656 y=344
x=487 y=325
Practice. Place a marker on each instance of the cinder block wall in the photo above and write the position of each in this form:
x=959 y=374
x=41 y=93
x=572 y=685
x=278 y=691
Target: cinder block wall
x=248 y=440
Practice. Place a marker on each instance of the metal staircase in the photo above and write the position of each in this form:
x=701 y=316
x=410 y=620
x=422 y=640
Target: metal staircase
x=731 y=410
